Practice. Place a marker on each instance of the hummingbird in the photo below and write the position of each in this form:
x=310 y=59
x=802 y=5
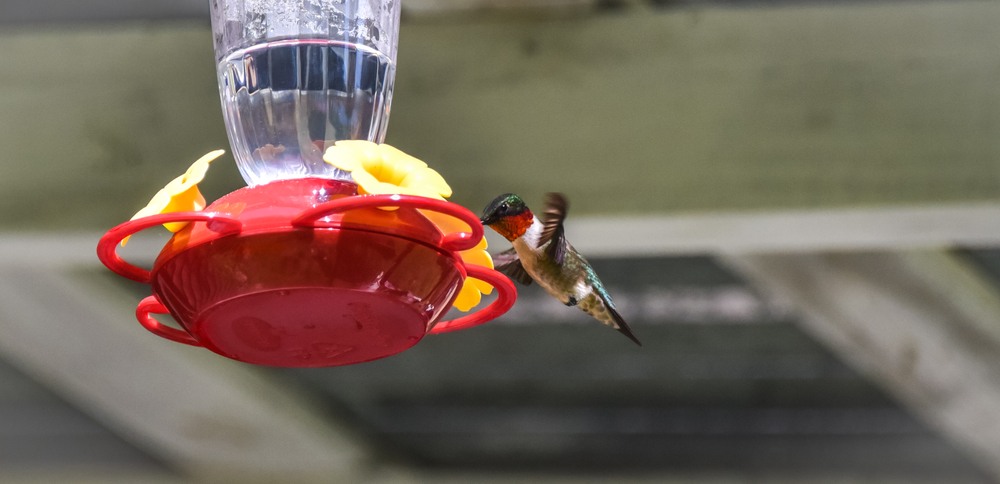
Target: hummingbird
x=542 y=254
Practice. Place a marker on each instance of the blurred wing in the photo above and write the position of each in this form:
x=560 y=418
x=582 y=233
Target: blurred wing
x=552 y=226
x=508 y=264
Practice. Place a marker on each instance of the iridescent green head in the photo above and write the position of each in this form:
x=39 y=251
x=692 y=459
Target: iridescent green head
x=508 y=215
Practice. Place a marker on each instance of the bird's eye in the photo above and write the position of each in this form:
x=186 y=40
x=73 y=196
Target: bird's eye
x=503 y=207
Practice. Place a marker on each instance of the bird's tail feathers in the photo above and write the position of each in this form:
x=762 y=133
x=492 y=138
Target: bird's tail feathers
x=622 y=325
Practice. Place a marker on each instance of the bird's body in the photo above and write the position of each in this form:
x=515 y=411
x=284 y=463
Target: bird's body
x=542 y=254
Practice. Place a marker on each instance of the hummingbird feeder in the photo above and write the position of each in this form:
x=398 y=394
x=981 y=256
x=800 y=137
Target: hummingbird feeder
x=340 y=250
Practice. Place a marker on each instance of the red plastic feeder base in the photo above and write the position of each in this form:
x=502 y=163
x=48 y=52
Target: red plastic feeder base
x=304 y=273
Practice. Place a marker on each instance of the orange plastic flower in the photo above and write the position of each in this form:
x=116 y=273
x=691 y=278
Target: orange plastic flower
x=384 y=170
x=471 y=293
x=181 y=194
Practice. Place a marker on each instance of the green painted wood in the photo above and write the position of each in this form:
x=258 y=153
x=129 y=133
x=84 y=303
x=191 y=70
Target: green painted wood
x=96 y=121
x=639 y=112
x=742 y=109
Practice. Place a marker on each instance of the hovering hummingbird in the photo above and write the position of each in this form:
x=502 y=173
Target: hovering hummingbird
x=542 y=253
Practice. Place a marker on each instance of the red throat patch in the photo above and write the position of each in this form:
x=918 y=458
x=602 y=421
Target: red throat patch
x=514 y=226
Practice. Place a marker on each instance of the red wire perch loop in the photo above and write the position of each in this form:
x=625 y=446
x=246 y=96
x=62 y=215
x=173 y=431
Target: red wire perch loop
x=506 y=295
x=151 y=305
x=107 y=247
x=454 y=242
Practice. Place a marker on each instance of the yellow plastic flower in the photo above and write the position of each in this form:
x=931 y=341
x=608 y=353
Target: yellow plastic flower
x=384 y=170
x=181 y=194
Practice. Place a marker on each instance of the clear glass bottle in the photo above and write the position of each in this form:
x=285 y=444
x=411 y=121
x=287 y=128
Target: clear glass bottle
x=295 y=76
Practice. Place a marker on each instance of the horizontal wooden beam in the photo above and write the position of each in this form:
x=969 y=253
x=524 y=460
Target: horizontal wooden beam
x=843 y=105
x=707 y=110
x=967 y=226
x=788 y=231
